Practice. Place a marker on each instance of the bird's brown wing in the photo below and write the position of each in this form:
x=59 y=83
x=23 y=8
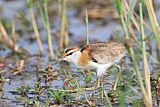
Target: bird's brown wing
x=104 y=52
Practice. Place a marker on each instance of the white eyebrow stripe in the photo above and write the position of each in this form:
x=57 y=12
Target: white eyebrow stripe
x=71 y=51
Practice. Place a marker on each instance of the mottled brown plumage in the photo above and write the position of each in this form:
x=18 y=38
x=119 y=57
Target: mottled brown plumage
x=104 y=52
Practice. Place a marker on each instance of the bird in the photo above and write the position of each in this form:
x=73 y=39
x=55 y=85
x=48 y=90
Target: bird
x=99 y=55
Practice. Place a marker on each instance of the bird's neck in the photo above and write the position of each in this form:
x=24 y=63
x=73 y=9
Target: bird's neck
x=83 y=58
x=75 y=58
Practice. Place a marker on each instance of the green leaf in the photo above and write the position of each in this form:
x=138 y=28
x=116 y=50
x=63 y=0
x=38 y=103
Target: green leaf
x=88 y=78
x=51 y=92
x=118 y=5
x=45 y=2
x=131 y=10
x=29 y=3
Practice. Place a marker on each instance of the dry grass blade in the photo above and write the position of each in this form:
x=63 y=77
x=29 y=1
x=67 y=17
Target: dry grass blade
x=14 y=36
x=154 y=23
x=6 y=40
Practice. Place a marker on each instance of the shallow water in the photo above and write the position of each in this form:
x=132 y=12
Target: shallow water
x=99 y=30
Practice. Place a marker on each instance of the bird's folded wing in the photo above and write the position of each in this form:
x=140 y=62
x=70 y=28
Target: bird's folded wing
x=105 y=52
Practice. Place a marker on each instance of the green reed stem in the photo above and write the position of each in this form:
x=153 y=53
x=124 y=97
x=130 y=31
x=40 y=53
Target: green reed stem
x=148 y=100
x=136 y=19
x=154 y=24
x=35 y=28
x=41 y=11
x=107 y=98
x=131 y=50
x=50 y=44
x=87 y=33
x=64 y=40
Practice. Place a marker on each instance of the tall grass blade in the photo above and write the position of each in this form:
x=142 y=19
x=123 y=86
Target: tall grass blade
x=64 y=40
x=131 y=10
x=6 y=40
x=154 y=24
x=87 y=33
x=123 y=17
x=35 y=28
x=49 y=37
x=14 y=36
x=148 y=100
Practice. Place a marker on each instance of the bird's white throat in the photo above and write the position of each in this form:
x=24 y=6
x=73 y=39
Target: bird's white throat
x=73 y=58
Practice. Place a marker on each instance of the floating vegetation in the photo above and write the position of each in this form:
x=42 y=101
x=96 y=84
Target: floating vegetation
x=18 y=67
x=49 y=73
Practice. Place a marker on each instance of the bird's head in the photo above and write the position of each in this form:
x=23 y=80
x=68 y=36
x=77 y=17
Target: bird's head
x=71 y=54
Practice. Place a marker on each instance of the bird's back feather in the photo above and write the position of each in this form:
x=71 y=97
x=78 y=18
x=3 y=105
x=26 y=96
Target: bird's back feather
x=105 y=52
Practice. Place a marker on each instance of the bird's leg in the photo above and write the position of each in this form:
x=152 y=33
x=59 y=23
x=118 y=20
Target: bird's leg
x=119 y=75
x=122 y=62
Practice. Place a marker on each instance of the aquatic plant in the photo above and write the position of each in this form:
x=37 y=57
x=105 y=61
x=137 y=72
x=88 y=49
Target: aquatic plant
x=127 y=14
x=44 y=13
x=34 y=24
x=64 y=39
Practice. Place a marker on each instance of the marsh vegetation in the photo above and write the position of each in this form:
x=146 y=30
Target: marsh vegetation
x=34 y=34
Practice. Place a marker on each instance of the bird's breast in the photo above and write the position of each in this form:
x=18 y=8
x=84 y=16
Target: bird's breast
x=83 y=59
